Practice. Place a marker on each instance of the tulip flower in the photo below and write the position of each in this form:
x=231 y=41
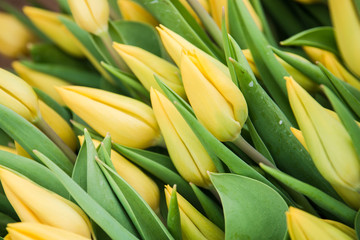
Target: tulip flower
x=346 y=21
x=42 y=81
x=48 y=22
x=14 y=36
x=21 y=151
x=35 y=204
x=130 y=122
x=193 y=224
x=304 y=226
x=59 y=125
x=134 y=176
x=330 y=61
x=186 y=151
x=299 y=136
x=299 y=77
x=328 y=143
x=91 y=15
x=17 y=95
x=145 y=64
x=8 y=149
x=36 y=231
x=218 y=104
x=133 y=11
x=217 y=6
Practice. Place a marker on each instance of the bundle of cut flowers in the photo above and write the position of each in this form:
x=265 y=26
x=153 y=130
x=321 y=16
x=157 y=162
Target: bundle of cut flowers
x=180 y=119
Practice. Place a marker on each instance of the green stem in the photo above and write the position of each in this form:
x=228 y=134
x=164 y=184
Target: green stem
x=45 y=128
x=249 y=150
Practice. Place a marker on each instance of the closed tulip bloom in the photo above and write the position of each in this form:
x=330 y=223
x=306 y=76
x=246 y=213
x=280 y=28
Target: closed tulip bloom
x=36 y=231
x=130 y=122
x=304 y=226
x=298 y=76
x=35 y=204
x=133 y=11
x=186 y=151
x=193 y=224
x=145 y=64
x=42 y=81
x=14 y=36
x=48 y=22
x=346 y=21
x=17 y=95
x=299 y=136
x=134 y=176
x=328 y=142
x=21 y=151
x=91 y=15
x=217 y=102
x=8 y=149
x=59 y=125
x=330 y=61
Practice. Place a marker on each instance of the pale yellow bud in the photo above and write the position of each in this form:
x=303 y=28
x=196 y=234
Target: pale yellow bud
x=133 y=11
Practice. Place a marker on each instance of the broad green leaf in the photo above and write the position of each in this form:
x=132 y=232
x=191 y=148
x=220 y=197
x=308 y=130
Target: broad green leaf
x=340 y=210
x=6 y=208
x=33 y=170
x=357 y=224
x=271 y=71
x=173 y=217
x=4 y=220
x=212 y=210
x=320 y=12
x=64 y=6
x=158 y=170
x=252 y=209
x=236 y=31
x=145 y=220
x=79 y=174
x=73 y=75
x=63 y=112
x=346 y=118
x=5 y=140
x=96 y=212
x=319 y=37
x=21 y=131
x=274 y=129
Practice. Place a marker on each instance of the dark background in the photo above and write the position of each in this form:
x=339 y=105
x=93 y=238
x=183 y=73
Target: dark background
x=49 y=4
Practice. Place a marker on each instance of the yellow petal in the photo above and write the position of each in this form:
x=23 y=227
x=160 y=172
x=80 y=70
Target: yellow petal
x=299 y=136
x=133 y=11
x=8 y=149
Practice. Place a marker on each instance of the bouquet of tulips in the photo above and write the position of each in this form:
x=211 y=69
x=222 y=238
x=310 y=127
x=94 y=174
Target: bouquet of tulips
x=181 y=119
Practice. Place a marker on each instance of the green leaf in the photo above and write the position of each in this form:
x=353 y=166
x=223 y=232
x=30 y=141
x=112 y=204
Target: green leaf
x=96 y=212
x=212 y=210
x=33 y=170
x=65 y=114
x=162 y=172
x=5 y=140
x=346 y=118
x=21 y=131
x=4 y=220
x=64 y=6
x=319 y=37
x=173 y=217
x=337 y=208
x=357 y=224
x=274 y=129
x=271 y=71
x=6 y=208
x=252 y=209
x=73 y=75
x=145 y=220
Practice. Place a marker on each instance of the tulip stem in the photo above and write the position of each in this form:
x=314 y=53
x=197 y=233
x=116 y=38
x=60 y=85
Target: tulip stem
x=106 y=39
x=254 y=154
x=48 y=131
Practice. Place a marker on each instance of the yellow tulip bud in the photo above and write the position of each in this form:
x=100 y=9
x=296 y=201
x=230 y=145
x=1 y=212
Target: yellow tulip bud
x=36 y=231
x=35 y=204
x=299 y=77
x=346 y=21
x=330 y=61
x=134 y=176
x=304 y=226
x=48 y=22
x=130 y=122
x=193 y=224
x=17 y=95
x=218 y=104
x=21 y=151
x=8 y=149
x=133 y=11
x=328 y=142
x=299 y=136
x=91 y=15
x=42 y=81
x=14 y=36
x=186 y=151
x=59 y=125
x=217 y=7
x=145 y=64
